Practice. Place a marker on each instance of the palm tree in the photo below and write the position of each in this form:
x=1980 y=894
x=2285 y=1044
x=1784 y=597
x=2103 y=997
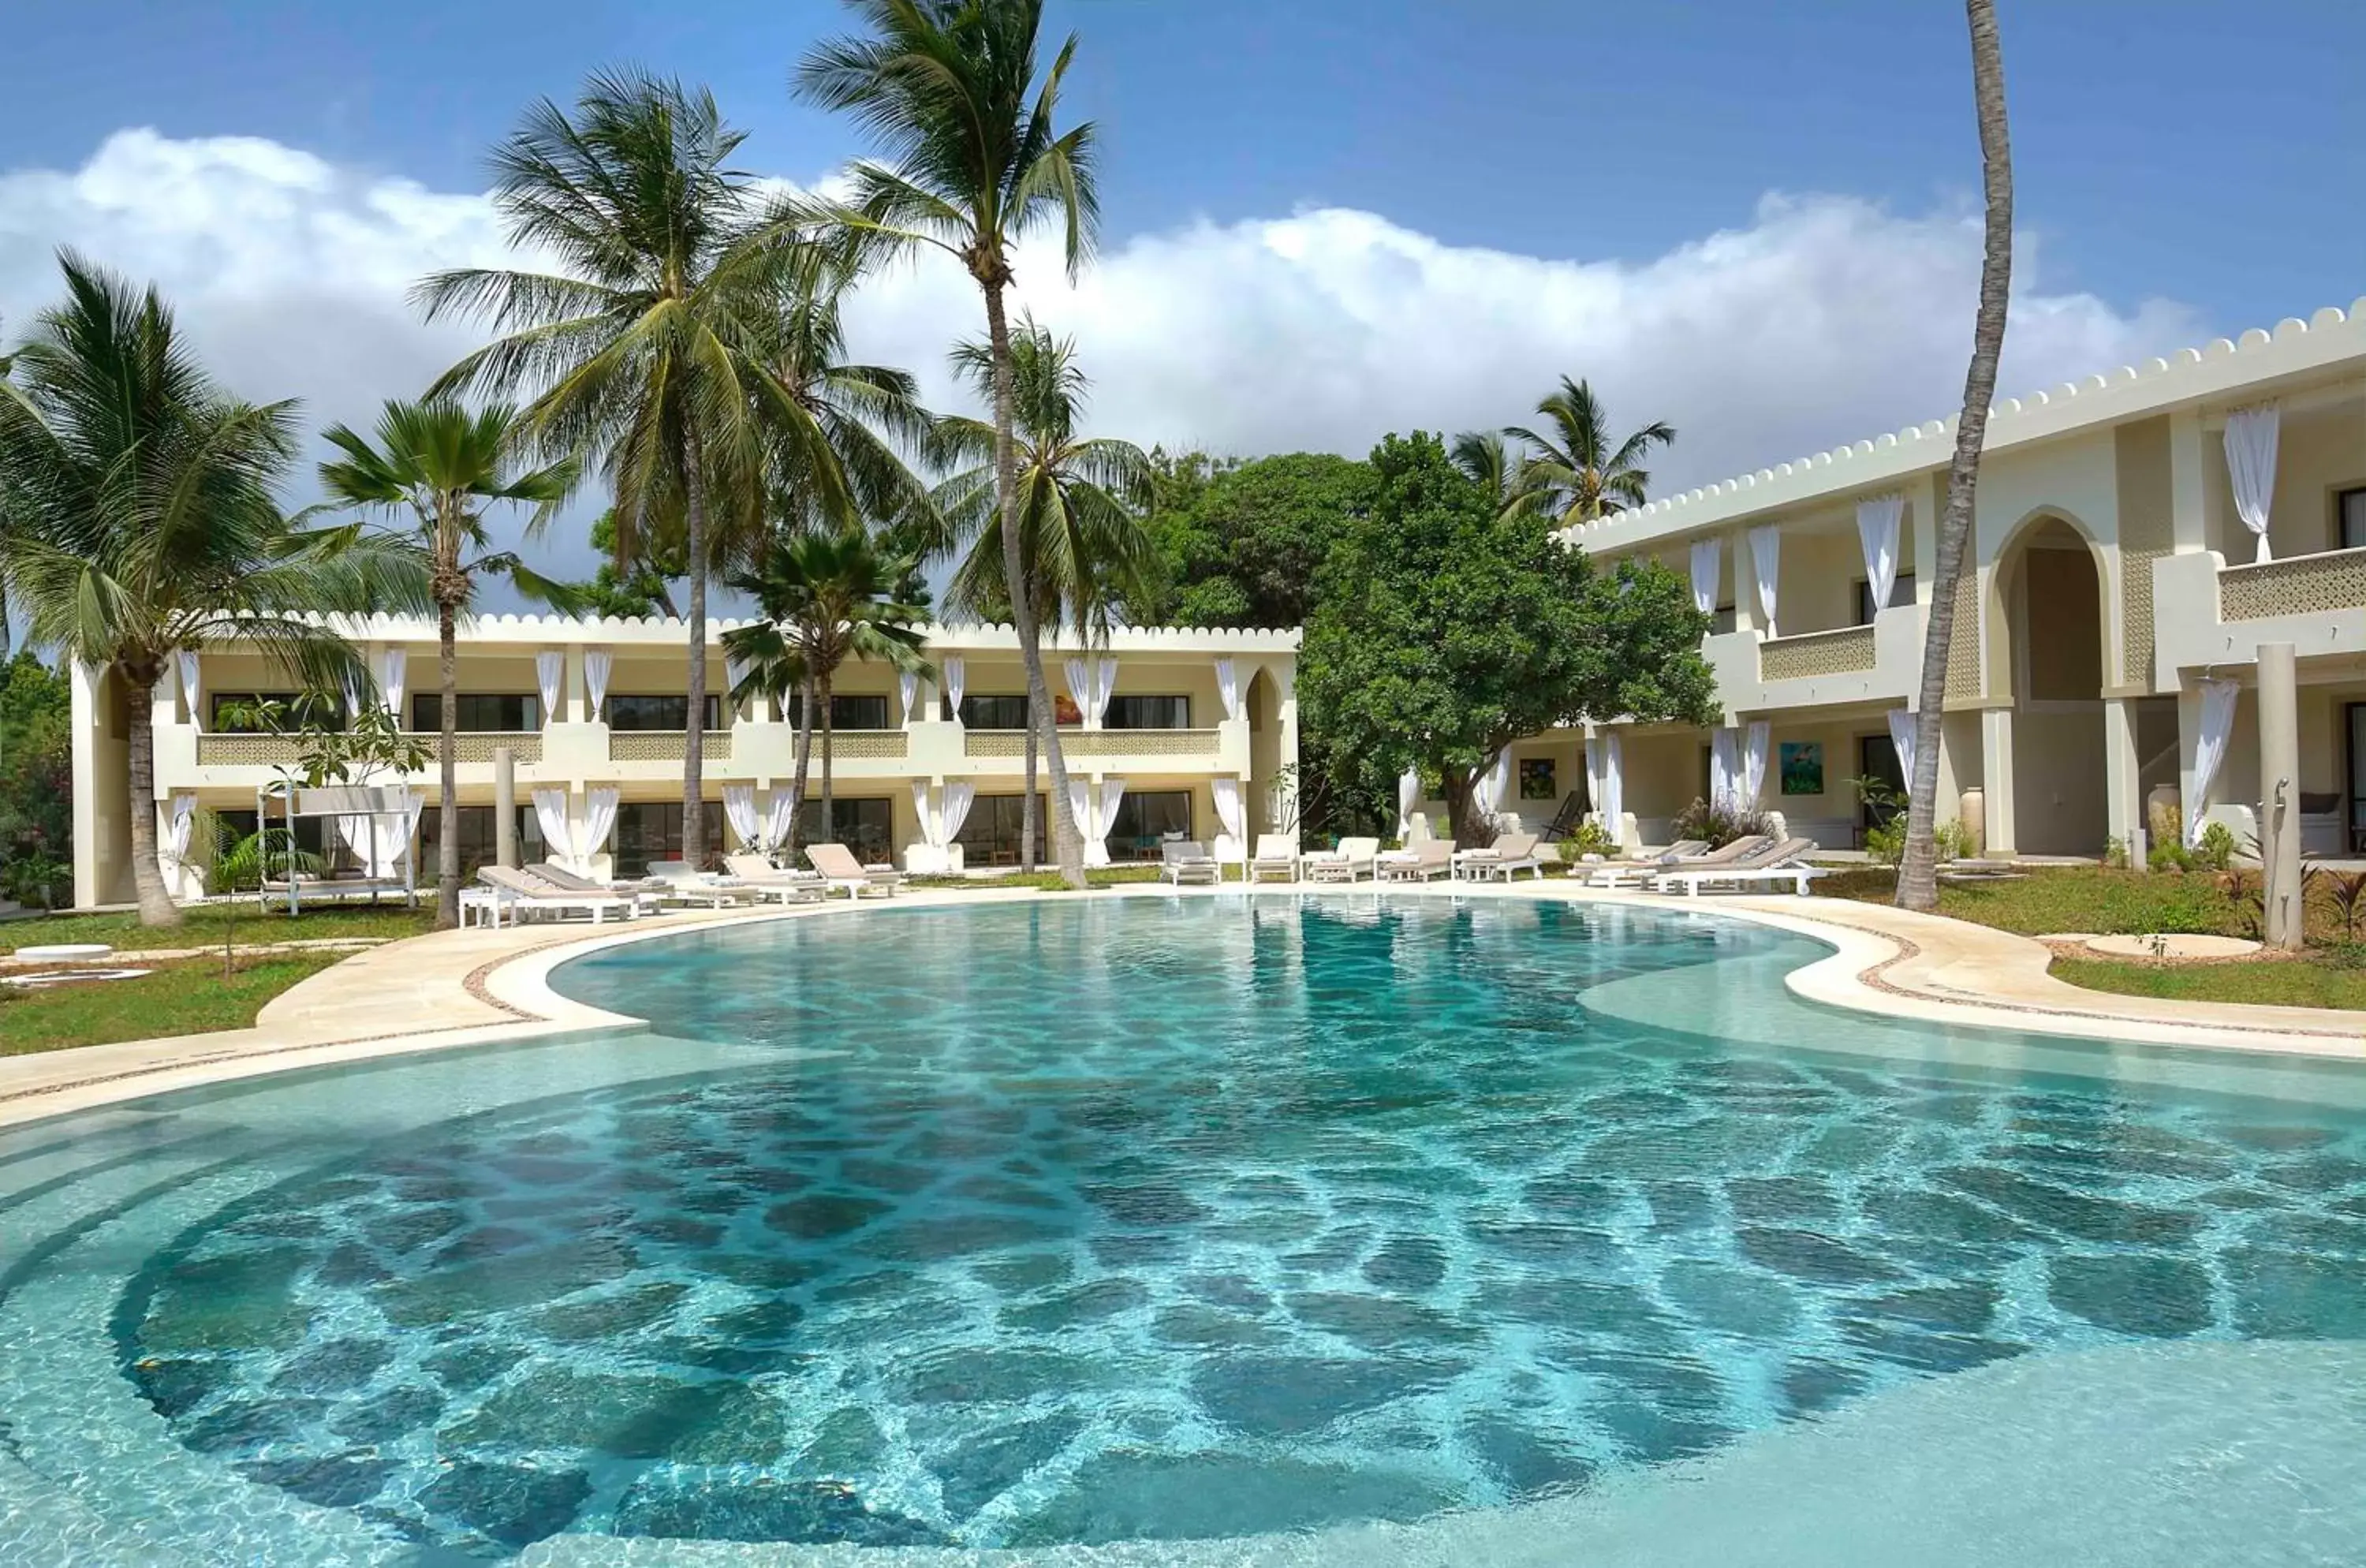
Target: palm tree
x=1490 y=462
x=1582 y=475
x=1918 y=868
x=644 y=346
x=144 y=523
x=949 y=87
x=441 y=464
x=1081 y=542
x=826 y=598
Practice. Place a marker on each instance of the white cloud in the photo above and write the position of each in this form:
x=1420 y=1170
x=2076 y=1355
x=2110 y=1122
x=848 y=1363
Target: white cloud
x=1825 y=318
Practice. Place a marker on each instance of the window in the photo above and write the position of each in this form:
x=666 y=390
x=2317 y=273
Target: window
x=1149 y=713
x=302 y=712
x=1144 y=819
x=651 y=830
x=1900 y=593
x=995 y=713
x=2353 y=519
x=865 y=824
x=663 y=712
x=989 y=834
x=845 y=712
x=1721 y=621
x=480 y=714
x=477 y=839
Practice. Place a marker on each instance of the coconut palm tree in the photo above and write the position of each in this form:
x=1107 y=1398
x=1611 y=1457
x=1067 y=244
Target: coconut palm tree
x=1581 y=474
x=1918 y=868
x=1495 y=467
x=145 y=524
x=826 y=598
x=948 y=89
x=1082 y=545
x=642 y=347
x=442 y=465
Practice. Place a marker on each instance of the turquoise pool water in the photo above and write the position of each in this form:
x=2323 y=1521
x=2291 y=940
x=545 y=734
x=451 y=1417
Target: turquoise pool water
x=1154 y=1222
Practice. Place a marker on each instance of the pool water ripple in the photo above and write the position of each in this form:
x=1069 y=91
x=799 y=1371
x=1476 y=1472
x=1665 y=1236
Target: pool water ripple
x=1092 y=1223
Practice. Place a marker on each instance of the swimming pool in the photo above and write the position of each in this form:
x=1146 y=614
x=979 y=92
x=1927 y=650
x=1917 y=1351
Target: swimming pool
x=1164 y=1221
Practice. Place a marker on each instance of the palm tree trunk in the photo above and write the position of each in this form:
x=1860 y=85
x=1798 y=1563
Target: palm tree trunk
x=828 y=828
x=693 y=739
x=1454 y=784
x=156 y=905
x=805 y=759
x=447 y=770
x=1067 y=842
x=1918 y=870
x=1027 y=824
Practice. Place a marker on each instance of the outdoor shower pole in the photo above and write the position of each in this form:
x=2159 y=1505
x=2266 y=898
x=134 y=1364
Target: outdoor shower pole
x=505 y=808
x=2286 y=917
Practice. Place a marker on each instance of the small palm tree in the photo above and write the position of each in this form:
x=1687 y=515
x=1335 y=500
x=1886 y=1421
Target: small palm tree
x=949 y=87
x=443 y=464
x=1081 y=541
x=144 y=523
x=826 y=598
x=1490 y=462
x=642 y=348
x=1581 y=474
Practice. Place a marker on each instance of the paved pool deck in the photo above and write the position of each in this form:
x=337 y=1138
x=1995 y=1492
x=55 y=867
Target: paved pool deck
x=477 y=987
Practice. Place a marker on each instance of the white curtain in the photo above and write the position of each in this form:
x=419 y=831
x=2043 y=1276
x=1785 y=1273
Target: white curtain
x=392 y=664
x=550 y=816
x=1408 y=796
x=390 y=838
x=1490 y=787
x=739 y=810
x=1753 y=763
x=1724 y=767
x=2218 y=698
x=956 y=671
x=1708 y=565
x=1613 y=789
x=1594 y=785
x=777 y=821
x=1112 y=796
x=550 y=674
x=1232 y=815
x=599 y=820
x=187 y=659
x=2251 y=466
x=908 y=693
x=921 y=814
x=1877 y=530
x=958 y=797
x=1765 y=560
x=597 y=663
x=1104 y=686
x=1080 y=685
x=1228 y=687
x=1903 y=722
x=1080 y=806
x=176 y=835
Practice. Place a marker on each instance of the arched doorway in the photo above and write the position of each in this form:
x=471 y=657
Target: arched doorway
x=1271 y=807
x=2050 y=594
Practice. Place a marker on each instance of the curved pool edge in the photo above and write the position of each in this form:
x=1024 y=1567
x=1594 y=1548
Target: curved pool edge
x=470 y=987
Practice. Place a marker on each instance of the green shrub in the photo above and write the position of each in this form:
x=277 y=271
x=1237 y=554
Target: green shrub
x=1591 y=839
x=1720 y=824
x=2214 y=850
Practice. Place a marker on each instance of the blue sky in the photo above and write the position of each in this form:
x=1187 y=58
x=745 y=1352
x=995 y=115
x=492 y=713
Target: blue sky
x=2196 y=150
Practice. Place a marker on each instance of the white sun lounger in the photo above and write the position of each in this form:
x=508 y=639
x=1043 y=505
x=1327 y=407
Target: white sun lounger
x=523 y=893
x=1639 y=870
x=1354 y=857
x=1431 y=857
x=1179 y=862
x=1510 y=855
x=1276 y=854
x=840 y=869
x=681 y=883
x=1780 y=862
x=766 y=880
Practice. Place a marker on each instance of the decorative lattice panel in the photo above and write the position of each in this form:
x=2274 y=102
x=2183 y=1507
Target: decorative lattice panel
x=479 y=746
x=1097 y=743
x=246 y=751
x=2304 y=585
x=664 y=746
x=2136 y=613
x=1843 y=652
x=888 y=743
x=1963 y=648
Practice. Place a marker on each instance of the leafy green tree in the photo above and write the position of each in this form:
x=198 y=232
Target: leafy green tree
x=826 y=598
x=641 y=586
x=1080 y=539
x=35 y=781
x=443 y=464
x=1244 y=544
x=643 y=345
x=948 y=89
x=1580 y=472
x=1444 y=631
x=145 y=523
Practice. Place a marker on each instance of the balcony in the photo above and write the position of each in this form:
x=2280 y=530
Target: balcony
x=885 y=745
x=1847 y=651
x=1100 y=742
x=2302 y=585
x=665 y=745
x=238 y=750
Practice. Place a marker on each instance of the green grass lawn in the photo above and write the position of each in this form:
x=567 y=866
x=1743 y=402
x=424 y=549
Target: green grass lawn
x=2314 y=981
x=204 y=927
x=1042 y=881
x=186 y=997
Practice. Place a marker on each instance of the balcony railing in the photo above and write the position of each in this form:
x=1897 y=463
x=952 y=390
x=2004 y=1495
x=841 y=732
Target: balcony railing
x=2302 y=585
x=890 y=744
x=1848 y=650
x=665 y=745
x=240 y=751
x=1100 y=742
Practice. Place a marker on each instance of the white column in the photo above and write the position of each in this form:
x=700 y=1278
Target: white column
x=2122 y=810
x=2188 y=488
x=2278 y=699
x=1996 y=778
